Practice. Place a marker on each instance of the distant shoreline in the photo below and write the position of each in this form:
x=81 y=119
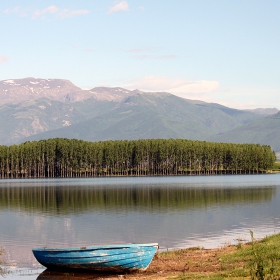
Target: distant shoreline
x=194 y=174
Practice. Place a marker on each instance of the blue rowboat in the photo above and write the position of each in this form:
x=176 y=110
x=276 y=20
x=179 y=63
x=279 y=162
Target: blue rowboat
x=115 y=258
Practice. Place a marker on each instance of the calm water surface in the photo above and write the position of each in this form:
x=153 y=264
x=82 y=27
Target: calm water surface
x=176 y=212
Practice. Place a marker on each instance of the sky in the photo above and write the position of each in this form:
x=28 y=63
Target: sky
x=221 y=51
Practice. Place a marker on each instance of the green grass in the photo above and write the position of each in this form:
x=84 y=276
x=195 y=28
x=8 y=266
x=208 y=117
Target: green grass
x=260 y=260
x=1 y=270
x=276 y=166
x=257 y=260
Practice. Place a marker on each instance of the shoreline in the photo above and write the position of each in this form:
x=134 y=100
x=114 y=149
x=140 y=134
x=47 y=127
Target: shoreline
x=165 y=265
x=267 y=172
x=188 y=263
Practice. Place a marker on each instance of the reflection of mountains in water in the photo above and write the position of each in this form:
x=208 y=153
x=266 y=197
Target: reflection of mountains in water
x=67 y=199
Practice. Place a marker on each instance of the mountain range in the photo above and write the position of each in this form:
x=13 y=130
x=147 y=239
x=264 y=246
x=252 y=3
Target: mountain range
x=34 y=109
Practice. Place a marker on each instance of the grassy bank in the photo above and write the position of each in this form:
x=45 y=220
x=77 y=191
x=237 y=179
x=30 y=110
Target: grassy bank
x=276 y=166
x=255 y=260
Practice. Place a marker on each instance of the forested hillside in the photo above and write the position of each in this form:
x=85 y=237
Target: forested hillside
x=77 y=158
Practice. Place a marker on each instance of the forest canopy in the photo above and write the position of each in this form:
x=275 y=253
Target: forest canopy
x=60 y=157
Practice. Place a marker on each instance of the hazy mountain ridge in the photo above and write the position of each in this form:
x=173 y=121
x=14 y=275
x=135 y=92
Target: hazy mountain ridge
x=34 y=116
x=33 y=109
x=264 y=111
x=150 y=115
x=264 y=131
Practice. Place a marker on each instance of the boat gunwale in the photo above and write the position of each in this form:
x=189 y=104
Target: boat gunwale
x=97 y=247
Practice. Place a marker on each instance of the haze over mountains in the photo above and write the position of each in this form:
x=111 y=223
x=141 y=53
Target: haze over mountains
x=34 y=109
x=263 y=131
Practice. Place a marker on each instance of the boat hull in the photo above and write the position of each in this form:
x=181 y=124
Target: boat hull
x=115 y=258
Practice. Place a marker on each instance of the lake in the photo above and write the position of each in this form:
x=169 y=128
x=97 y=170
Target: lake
x=177 y=212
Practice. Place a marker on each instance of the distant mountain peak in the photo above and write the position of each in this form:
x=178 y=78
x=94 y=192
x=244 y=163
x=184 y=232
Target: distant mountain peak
x=110 y=93
x=19 y=90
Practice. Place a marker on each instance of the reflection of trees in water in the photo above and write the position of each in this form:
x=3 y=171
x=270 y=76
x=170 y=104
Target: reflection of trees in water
x=55 y=200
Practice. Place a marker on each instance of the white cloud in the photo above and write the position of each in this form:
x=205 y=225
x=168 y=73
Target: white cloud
x=180 y=87
x=66 y=13
x=117 y=7
x=48 y=10
x=3 y=59
x=22 y=12
x=51 y=10
x=155 y=83
x=196 y=87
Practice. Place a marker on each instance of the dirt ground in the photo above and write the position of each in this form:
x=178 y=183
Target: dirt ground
x=163 y=266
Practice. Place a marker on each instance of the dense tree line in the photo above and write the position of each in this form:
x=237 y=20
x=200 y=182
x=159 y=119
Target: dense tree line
x=76 y=158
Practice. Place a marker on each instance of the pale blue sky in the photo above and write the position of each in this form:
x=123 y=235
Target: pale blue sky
x=223 y=51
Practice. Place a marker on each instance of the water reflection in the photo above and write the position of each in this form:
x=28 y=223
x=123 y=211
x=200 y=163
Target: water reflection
x=175 y=212
x=68 y=199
